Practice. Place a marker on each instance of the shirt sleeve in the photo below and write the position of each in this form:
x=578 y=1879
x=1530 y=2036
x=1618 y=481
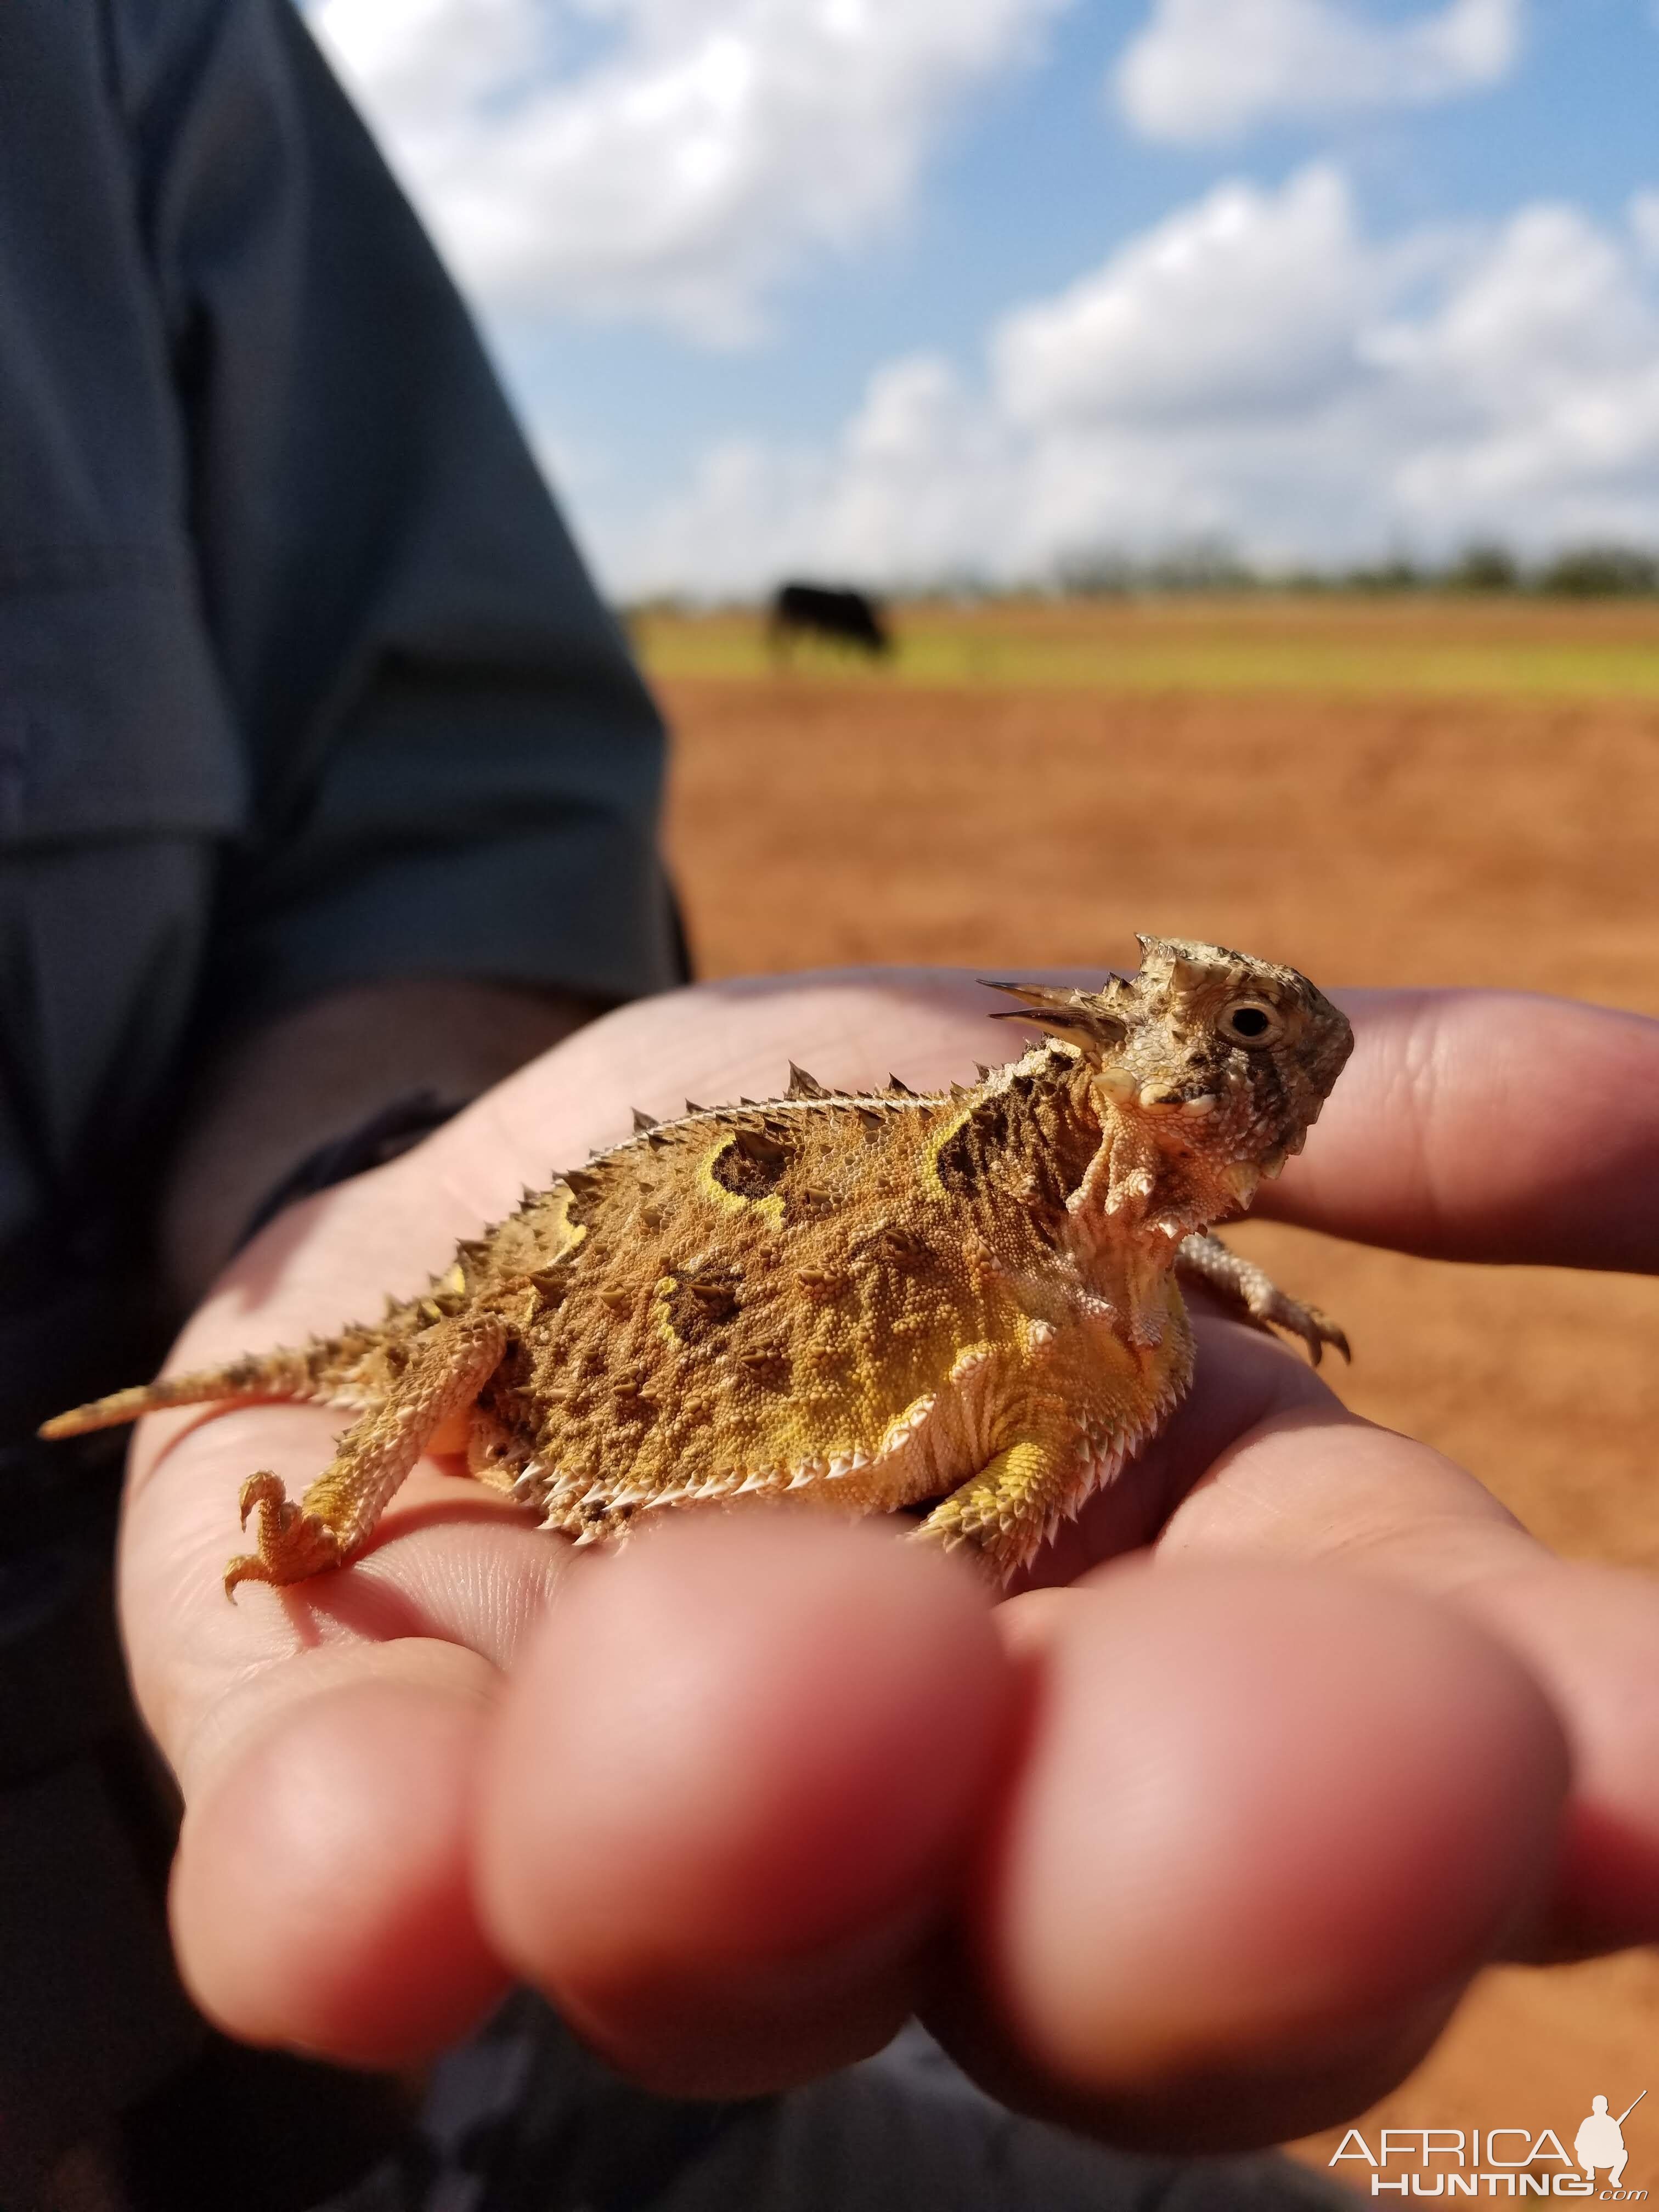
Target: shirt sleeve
x=453 y=767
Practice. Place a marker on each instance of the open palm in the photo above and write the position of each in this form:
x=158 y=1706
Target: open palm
x=1195 y=1840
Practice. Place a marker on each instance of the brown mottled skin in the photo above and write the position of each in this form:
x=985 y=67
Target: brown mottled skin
x=862 y=1301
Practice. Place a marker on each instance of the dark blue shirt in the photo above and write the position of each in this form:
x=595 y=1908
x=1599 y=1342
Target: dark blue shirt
x=301 y=681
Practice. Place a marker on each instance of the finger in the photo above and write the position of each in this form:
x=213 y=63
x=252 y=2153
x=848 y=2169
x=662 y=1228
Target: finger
x=325 y=1739
x=731 y=1792
x=1266 y=1825
x=1488 y=1125
x=1305 y=1484
x=321 y=1896
x=1591 y=1636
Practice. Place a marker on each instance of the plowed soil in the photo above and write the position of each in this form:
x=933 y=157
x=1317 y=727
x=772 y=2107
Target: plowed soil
x=1505 y=833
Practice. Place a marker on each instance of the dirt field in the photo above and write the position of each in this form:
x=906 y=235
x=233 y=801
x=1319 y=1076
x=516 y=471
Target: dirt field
x=1384 y=793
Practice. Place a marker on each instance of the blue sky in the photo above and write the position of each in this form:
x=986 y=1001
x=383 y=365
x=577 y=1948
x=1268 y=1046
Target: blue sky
x=902 y=288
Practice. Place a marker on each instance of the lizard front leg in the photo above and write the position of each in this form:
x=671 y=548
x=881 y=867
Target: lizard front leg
x=1255 y=1295
x=447 y=1366
x=1083 y=1400
x=1007 y=1509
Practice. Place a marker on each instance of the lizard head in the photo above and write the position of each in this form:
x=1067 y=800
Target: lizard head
x=1224 y=1059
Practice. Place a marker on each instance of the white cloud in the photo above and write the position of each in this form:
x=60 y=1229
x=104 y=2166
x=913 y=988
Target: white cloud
x=1426 y=389
x=1208 y=71
x=1643 y=213
x=923 y=479
x=663 y=160
x=1545 y=365
x=1248 y=300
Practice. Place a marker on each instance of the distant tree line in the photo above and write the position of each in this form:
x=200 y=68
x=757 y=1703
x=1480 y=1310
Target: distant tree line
x=1578 y=572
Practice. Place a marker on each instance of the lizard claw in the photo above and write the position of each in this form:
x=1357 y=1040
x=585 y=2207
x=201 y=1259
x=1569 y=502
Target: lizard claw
x=261 y=1490
x=1316 y=1330
x=1255 y=1297
x=1333 y=1335
x=1269 y=1308
x=293 y=1543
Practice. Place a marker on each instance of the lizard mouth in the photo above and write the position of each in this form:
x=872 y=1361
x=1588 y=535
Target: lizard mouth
x=1197 y=1097
x=1195 y=1102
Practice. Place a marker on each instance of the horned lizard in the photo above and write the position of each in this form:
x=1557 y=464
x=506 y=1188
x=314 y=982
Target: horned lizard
x=863 y=1301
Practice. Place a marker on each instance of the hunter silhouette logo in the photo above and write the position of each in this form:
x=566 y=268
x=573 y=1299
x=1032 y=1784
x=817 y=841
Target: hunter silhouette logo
x=1599 y=2141
x=1500 y=2162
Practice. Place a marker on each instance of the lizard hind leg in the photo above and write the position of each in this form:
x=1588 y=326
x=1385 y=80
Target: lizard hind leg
x=447 y=1366
x=1007 y=1510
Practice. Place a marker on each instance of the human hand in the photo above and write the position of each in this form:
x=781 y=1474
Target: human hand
x=1196 y=1844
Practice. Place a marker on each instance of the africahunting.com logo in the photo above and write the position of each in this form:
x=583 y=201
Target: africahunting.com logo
x=1498 y=2161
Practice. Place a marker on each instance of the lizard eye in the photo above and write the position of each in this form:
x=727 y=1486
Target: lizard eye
x=1250 y=1022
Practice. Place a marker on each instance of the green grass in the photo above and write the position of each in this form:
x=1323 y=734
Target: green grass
x=1446 y=651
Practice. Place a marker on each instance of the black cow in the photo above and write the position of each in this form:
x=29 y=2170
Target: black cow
x=818 y=610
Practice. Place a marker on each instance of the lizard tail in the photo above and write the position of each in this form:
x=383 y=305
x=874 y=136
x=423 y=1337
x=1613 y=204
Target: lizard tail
x=276 y=1377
